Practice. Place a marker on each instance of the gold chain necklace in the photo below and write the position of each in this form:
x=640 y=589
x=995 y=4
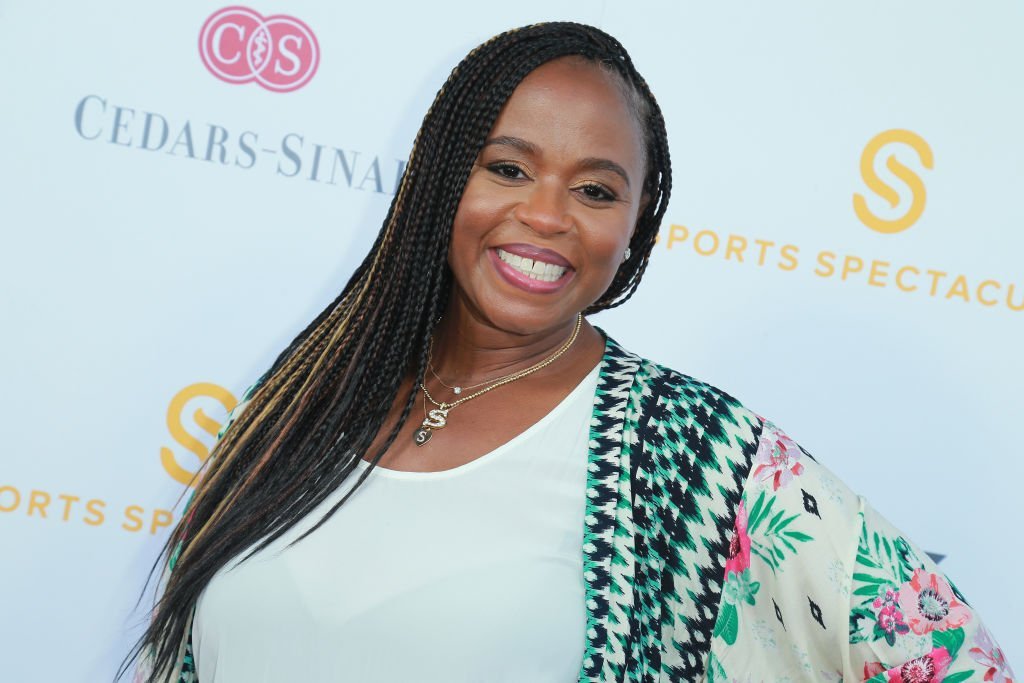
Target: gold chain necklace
x=456 y=389
x=437 y=418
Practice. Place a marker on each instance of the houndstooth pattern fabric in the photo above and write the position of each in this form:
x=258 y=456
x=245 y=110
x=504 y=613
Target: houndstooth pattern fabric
x=669 y=456
x=607 y=559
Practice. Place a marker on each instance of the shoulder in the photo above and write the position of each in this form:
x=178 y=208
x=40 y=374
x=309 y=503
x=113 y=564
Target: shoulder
x=704 y=423
x=777 y=466
x=664 y=398
x=665 y=395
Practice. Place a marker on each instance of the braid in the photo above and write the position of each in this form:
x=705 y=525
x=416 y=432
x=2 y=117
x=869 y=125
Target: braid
x=315 y=412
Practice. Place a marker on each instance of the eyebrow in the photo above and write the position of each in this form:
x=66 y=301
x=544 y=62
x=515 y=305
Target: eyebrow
x=597 y=164
x=590 y=163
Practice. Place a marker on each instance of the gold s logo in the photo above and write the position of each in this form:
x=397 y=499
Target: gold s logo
x=175 y=412
x=878 y=186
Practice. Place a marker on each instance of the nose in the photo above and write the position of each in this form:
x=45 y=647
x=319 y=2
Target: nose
x=545 y=208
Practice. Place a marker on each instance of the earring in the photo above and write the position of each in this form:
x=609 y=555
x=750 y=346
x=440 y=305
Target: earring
x=625 y=256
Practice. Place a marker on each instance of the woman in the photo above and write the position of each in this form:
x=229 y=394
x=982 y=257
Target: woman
x=451 y=475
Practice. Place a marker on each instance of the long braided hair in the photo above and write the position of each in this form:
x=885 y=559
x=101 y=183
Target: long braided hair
x=315 y=412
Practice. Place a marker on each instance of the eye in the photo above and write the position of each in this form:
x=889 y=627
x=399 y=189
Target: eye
x=597 y=192
x=507 y=170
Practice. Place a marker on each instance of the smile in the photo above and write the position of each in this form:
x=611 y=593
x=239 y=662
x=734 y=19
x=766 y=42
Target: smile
x=532 y=268
x=529 y=268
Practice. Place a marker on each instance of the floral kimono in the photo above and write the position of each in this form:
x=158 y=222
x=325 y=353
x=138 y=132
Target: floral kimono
x=716 y=548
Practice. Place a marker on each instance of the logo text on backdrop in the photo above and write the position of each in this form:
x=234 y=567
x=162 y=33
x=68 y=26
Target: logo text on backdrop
x=291 y=155
x=176 y=426
x=874 y=183
x=935 y=282
x=238 y=45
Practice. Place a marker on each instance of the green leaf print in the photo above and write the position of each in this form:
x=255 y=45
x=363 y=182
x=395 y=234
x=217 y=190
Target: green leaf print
x=866 y=561
x=883 y=565
x=868 y=578
x=952 y=640
x=716 y=672
x=908 y=561
x=888 y=564
x=759 y=511
x=862 y=623
x=728 y=625
x=770 y=535
x=957 y=677
x=885 y=544
x=871 y=590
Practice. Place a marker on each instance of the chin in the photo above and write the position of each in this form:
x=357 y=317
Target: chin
x=512 y=308
x=528 y=318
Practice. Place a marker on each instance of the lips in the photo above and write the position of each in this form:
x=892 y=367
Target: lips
x=536 y=253
x=531 y=268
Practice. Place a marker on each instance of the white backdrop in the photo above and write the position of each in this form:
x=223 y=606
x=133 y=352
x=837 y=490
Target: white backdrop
x=150 y=275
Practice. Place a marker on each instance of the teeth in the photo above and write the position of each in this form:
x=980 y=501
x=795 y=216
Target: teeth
x=537 y=270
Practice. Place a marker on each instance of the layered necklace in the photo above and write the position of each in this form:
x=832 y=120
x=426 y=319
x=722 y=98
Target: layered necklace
x=437 y=417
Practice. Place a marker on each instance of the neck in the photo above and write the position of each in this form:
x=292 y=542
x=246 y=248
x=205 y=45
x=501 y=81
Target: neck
x=468 y=348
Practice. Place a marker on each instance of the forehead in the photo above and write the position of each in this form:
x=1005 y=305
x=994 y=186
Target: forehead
x=573 y=107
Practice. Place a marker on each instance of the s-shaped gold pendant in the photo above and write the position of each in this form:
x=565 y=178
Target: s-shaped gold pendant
x=436 y=419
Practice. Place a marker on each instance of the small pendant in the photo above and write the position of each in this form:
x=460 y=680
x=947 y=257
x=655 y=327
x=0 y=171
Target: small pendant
x=457 y=390
x=436 y=419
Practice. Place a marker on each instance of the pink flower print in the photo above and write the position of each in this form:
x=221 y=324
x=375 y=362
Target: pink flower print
x=931 y=668
x=739 y=546
x=777 y=457
x=928 y=603
x=987 y=653
x=890 y=622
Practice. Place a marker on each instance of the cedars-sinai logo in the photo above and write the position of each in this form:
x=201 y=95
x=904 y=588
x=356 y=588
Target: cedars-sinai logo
x=238 y=45
x=874 y=183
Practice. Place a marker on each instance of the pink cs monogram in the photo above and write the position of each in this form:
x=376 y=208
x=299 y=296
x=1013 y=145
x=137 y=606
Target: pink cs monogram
x=238 y=45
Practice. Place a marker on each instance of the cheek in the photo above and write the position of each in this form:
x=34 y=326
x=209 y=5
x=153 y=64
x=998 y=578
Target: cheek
x=478 y=212
x=605 y=241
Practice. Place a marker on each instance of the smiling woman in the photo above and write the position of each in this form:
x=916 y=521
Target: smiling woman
x=558 y=183
x=450 y=475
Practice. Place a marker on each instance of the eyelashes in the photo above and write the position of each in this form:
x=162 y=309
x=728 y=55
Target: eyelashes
x=507 y=170
x=594 y=192
x=598 y=192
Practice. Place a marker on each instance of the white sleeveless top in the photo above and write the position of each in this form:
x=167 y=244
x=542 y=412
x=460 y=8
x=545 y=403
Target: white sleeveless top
x=473 y=574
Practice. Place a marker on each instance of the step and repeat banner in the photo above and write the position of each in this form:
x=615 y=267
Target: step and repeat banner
x=186 y=185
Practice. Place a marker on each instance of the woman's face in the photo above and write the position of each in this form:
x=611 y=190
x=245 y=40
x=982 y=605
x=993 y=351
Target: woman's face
x=551 y=201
